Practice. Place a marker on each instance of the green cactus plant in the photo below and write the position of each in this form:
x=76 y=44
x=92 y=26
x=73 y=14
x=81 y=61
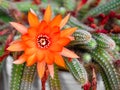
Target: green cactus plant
x=94 y=48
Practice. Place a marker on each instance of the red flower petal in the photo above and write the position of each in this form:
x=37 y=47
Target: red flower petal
x=63 y=41
x=33 y=19
x=56 y=21
x=56 y=47
x=18 y=46
x=67 y=53
x=20 y=60
x=30 y=51
x=68 y=32
x=32 y=32
x=40 y=56
x=48 y=13
x=31 y=60
x=30 y=43
x=41 y=26
x=59 y=60
x=49 y=58
x=64 y=21
x=41 y=68
x=51 y=70
x=22 y=29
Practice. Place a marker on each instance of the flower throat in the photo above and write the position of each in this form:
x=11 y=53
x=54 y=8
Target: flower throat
x=43 y=41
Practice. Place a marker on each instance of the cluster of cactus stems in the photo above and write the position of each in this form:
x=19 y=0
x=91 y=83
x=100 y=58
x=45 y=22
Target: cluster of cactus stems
x=97 y=48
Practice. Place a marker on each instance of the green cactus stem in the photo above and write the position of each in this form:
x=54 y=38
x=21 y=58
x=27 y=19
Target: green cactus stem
x=17 y=72
x=104 y=78
x=104 y=41
x=78 y=70
x=74 y=22
x=114 y=54
x=69 y=4
x=27 y=77
x=22 y=6
x=92 y=44
x=105 y=8
x=103 y=58
x=55 y=82
x=81 y=37
x=116 y=38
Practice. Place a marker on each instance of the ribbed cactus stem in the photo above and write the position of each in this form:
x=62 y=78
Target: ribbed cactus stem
x=104 y=41
x=116 y=38
x=55 y=82
x=92 y=44
x=103 y=59
x=81 y=37
x=114 y=54
x=111 y=5
x=27 y=77
x=17 y=72
x=69 y=4
x=78 y=70
x=22 y=6
x=104 y=78
x=74 y=22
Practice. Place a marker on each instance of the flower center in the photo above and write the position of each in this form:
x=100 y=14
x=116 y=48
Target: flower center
x=43 y=41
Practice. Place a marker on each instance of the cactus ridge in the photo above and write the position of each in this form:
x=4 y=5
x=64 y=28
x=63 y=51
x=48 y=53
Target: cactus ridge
x=92 y=44
x=78 y=71
x=104 y=78
x=55 y=82
x=104 y=41
x=69 y=4
x=116 y=38
x=111 y=5
x=27 y=77
x=17 y=72
x=101 y=57
x=74 y=22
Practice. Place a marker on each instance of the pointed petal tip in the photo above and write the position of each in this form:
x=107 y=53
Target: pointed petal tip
x=48 y=6
x=64 y=21
x=48 y=14
x=15 y=62
x=15 y=47
x=32 y=18
x=12 y=23
x=51 y=70
x=18 y=62
x=41 y=69
x=9 y=48
x=32 y=11
x=52 y=76
x=75 y=28
x=68 y=53
x=71 y=38
x=68 y=31
x=68 y=15
x=21 y=28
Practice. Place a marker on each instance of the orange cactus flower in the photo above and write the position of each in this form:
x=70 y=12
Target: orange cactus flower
x=43 y=41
